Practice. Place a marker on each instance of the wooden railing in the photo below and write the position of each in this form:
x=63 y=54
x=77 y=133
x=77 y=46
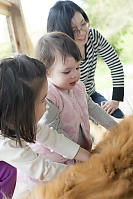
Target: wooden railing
x=21 y=42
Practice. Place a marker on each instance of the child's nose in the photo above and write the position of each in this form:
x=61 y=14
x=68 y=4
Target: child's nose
x=74 y=74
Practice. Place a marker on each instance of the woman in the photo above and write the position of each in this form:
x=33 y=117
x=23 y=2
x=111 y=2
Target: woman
x=68 y=17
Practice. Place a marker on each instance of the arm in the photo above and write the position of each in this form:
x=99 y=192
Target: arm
x=55 y=138
x=82 y=155
x=99 y=114
x=50 y=133
x=26 y=160
x=111 y=59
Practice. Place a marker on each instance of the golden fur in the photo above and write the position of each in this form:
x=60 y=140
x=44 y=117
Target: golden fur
x=108 y=174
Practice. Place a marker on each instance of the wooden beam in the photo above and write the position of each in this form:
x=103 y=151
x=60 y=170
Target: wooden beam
x=6 y=2
x=22 y=40
x=19 y=37
x=4 y=7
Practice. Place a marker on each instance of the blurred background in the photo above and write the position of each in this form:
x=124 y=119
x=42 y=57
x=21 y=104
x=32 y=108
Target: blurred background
x=113 y=19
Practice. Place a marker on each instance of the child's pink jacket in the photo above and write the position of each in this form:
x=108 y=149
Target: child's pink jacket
x=73 y=114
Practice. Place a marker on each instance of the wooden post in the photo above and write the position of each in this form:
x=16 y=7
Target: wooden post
x=16 y=24
x=4 y=7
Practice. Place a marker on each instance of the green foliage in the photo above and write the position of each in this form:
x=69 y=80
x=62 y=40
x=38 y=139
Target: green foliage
x=114 y=19
x=109 y=16
x=126 y=45
x=122 y=43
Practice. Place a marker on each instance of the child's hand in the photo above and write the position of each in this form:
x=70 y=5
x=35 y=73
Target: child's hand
x=82 y=155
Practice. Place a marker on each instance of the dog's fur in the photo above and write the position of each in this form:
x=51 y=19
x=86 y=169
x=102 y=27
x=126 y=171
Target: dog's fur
x=108 y=174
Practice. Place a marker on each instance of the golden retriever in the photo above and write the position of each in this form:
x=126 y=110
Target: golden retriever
x=108 y=174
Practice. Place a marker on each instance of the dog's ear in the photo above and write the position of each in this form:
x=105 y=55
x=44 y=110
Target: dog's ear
x=37 y=193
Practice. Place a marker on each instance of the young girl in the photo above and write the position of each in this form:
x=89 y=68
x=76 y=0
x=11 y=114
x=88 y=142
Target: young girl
x=23 y=88
x=68 y=17
x=62 y=58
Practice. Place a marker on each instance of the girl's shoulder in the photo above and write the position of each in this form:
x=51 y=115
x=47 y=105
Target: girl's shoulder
x=94 y=37
x=93 y=31
x=93 y=34
x=51 y=86
x=54 y=94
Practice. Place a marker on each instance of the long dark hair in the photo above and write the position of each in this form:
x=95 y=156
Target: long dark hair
x=21 y=79
x=60 y=16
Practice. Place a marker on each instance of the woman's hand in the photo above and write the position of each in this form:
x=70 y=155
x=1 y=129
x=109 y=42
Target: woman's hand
x=110 y=106
x=82 y=155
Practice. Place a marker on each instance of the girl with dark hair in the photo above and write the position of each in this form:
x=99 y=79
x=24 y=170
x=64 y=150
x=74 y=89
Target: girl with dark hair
x=23 y=88
x=68 y=17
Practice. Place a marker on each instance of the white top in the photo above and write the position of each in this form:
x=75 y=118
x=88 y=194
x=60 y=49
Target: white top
x=24 y=159
x=33 y=164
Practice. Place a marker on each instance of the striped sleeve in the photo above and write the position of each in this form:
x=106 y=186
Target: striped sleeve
x=111 y=59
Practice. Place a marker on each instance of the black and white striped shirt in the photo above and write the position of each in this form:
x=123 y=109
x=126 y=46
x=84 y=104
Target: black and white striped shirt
x=95 y=45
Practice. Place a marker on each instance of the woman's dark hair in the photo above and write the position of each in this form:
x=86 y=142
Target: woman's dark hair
x=54 y=43
x=60 y=16
x=21 y=79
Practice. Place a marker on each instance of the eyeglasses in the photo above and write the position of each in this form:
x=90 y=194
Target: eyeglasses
x=83 y=27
